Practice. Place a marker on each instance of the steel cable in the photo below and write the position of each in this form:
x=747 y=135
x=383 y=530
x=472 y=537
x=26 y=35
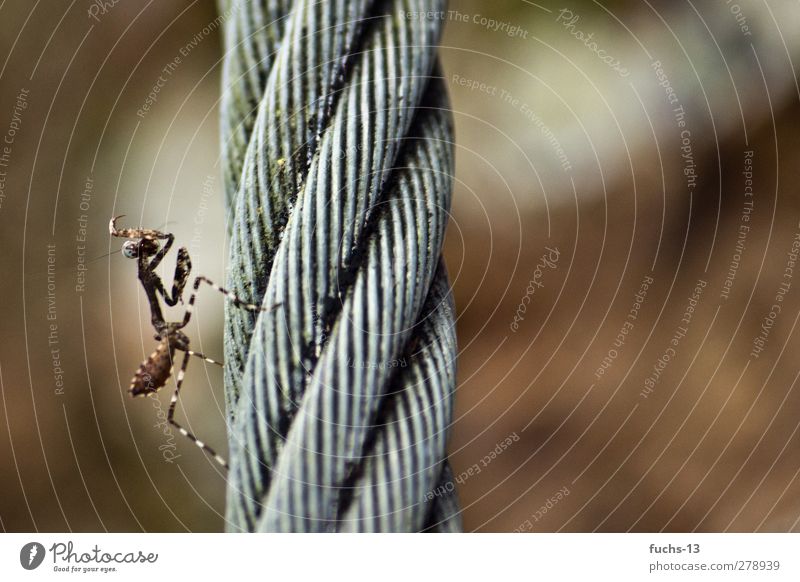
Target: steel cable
x=338 y=159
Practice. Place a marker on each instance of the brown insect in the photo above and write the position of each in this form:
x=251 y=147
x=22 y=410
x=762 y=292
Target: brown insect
x=144 y=245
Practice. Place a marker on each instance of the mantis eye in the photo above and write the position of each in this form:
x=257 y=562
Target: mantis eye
x=130 y=249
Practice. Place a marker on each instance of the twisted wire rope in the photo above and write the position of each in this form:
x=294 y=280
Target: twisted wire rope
x=337 y=147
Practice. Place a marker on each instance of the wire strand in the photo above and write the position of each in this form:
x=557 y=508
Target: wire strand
x=338 y=156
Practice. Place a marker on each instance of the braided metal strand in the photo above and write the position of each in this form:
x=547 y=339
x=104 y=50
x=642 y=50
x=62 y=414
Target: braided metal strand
x=252 y=34
x=404 y=461
x=253 y=30
x=445 y=516
x=295 y=105
x=338 y=219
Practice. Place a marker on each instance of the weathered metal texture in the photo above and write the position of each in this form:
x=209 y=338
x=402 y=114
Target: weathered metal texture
x=338 y=153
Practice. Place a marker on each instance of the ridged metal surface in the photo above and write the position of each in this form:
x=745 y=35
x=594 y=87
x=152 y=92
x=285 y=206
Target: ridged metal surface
x=338 y=152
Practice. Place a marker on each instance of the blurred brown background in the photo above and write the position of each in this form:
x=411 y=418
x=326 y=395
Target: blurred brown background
x=567 y=140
